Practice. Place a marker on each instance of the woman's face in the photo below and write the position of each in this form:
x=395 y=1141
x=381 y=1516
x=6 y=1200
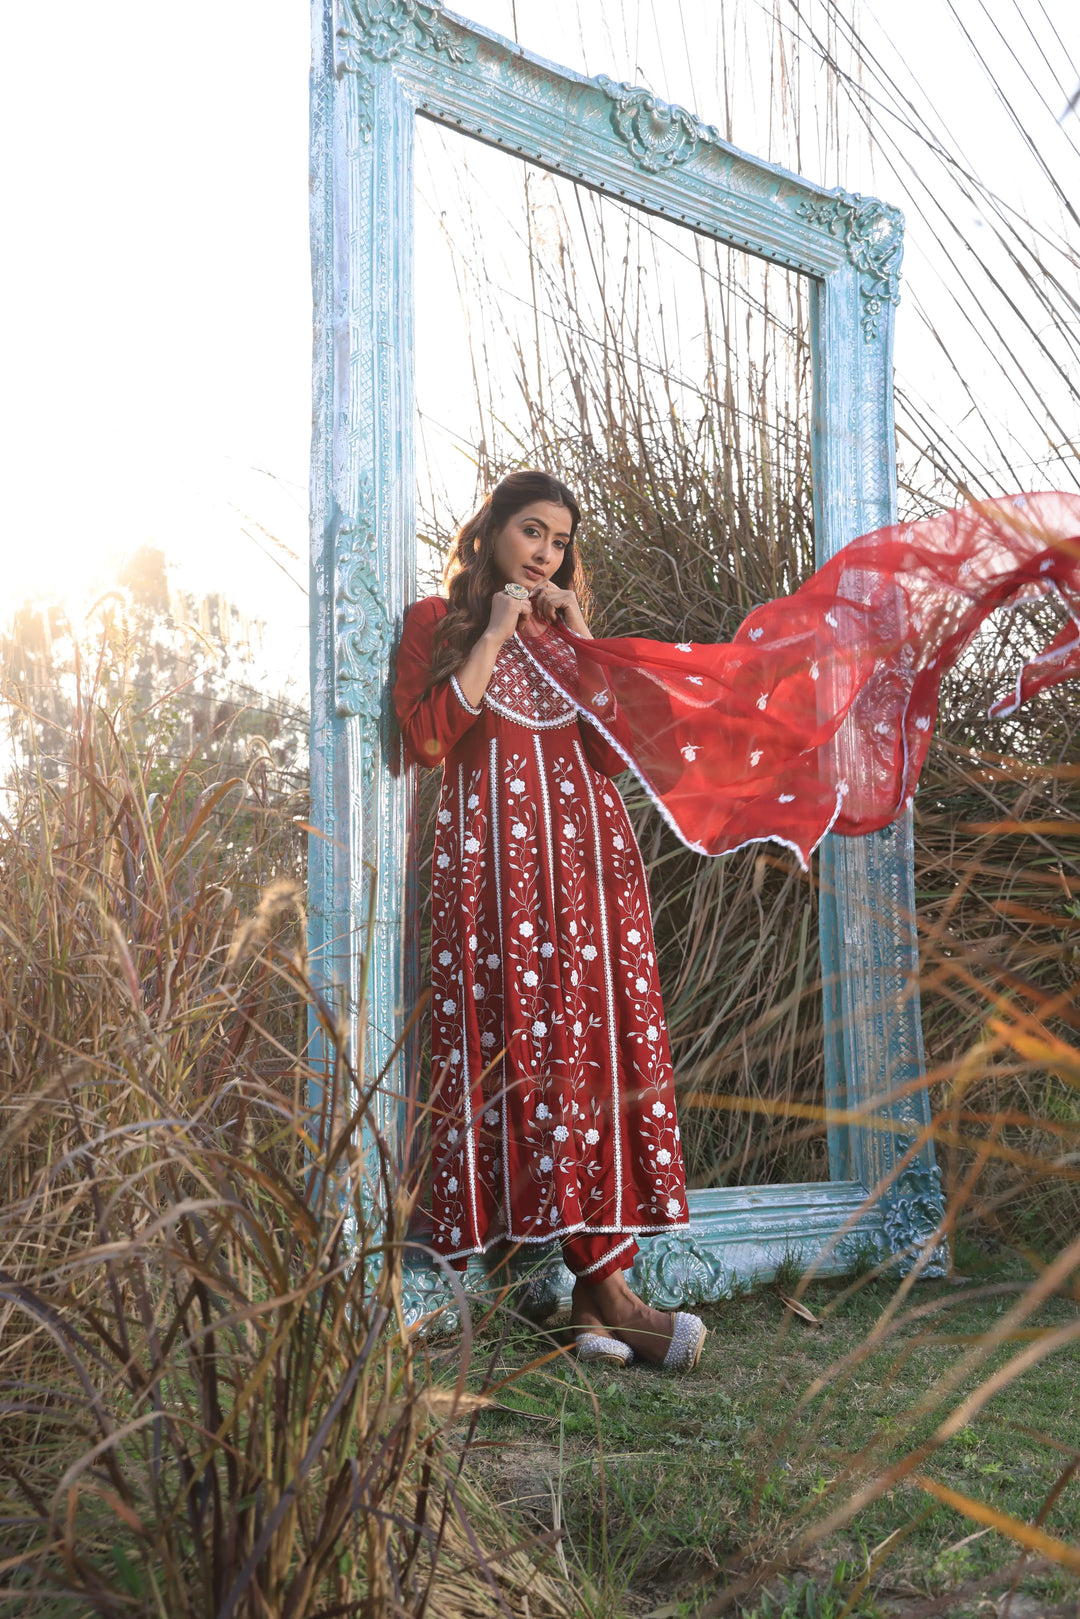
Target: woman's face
x=530 y=546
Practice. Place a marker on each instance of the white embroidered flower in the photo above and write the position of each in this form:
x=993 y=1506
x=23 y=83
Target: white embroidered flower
x=491 y=961
x=592 y=1137
x=451 y=1136
x=814 y=671
x=754 y=757
x=443 y=861
x=577 y=1036
x=676 y=1132
x=608 y=800
x=546 y=1165
x=455 y=1236
x=553 y=1216
x=573 y=927
x=589 y=952
x=601 y=699
x=842 y=789
x=673 y=1206
x=491 y=1117
x=652 y=959
x=560 y=1132
x=518 y=830
x=634 y=936
x=526 y=930
x=755 y=635
x=472 y=941
x=641 y=985
x=478 y=992
x=574 y=976
x=763 y=700
x=444 y=817
x=472 y=801
x=652 y=1034
x=569 y=830
x=517 y=785
x=663 y=1156
x=472 y=845
x=617 y=842
x=694 y=680
x=455 y=1057
x=547 y=949
x=830 y=618
x=445 y=958
x=449 y=1008
x=487 y=1040
x=543 y=1111
x=451 y=1185
x=683 y=646
x=689 y=753
x=922 y=723
x=566 y=788
x=530 y=980
x=658 y=1110
x=787 y=798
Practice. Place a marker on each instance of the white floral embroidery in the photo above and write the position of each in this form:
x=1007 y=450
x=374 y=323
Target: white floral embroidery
x=526 y=930
x=455 y=1236
x=517 y=785
x=663 y=1156
x=577 y=1036
x=491 y=961
x=694 y=680
x=842 y=789
x=755 y=635
x=445 y=958
x=634 y=936
x=449 y=1008
x=473 y=801
x=472 y=845
x=546 y=1165
x=922 y=723
x=451 y=1136
x=673 y=1206
x=443 y=861
x=455 y=1057
x=543 y=1111
x=530 y=980
x=539 y=1028
x=830 y=618
x=566 y=788
x=589 y=952
x=487 y=1039
x=444 y=817
x=518 y=830
x=478 y=992
x=617 y=842
x=569 y=830
x=762 y=700
x=658 y=1110
x=641 y=985
x=451 y=1185
x=547 y=949
x=754 y=757
x=601 y=699
x=491 y=1117
x=573 y=927
x=787 y=798
x=683 y=646
x=592 y=1137
x=652 y=1033
x=689 y=753
x=473 y=941
x=560 y=1132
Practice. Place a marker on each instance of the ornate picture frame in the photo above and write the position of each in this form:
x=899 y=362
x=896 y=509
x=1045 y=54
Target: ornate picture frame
x=377 y=65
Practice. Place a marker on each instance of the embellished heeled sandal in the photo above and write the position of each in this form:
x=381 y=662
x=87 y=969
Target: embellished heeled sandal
x=594 y=1348
x=687 y=1338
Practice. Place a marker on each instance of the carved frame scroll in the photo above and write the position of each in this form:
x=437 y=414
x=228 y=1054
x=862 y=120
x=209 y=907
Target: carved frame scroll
x=376 y=66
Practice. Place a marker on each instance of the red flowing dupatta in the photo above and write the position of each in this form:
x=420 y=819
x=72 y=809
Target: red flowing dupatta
x=818 y=715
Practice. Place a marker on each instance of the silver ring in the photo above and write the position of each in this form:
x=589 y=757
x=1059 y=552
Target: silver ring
x=517 y=593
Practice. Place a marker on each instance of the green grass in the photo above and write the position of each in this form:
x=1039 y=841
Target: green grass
x=668 y=1489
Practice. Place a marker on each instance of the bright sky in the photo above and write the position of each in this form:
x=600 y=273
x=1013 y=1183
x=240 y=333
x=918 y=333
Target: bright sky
x=155 y=304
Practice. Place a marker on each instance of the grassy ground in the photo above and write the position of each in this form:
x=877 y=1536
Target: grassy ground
x=658 y=1482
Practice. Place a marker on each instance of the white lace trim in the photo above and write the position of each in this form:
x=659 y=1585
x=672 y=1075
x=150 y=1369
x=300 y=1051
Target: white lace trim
x=599 y=1264
x=461 y=697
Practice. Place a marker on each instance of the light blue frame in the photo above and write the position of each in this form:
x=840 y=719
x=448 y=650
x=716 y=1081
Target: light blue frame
x=376 y=65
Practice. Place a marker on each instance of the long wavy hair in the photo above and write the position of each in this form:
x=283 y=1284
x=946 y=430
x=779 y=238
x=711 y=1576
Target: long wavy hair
x=470 y=577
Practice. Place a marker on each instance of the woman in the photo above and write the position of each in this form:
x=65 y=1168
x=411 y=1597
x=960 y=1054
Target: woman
x=548 y=1038
x=553 y=1077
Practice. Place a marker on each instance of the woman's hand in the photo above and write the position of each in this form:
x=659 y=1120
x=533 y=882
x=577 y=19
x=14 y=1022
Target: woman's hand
x=506 y=613
x=550 y=602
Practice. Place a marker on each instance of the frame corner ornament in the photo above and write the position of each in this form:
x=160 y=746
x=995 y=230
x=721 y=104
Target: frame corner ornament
x=873 y=234
x=912 y=1211
x=361 y=626
x=659 y=134
x=379 y=30
x=674 y=1269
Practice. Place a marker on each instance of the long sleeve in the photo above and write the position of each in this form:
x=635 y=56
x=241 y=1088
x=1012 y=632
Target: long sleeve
x=432 y=722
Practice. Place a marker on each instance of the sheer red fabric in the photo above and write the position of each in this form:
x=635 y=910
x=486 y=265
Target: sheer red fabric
x=818 y=715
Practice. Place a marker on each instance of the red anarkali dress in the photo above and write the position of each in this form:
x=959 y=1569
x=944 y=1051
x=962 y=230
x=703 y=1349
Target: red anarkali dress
x=549 y=1046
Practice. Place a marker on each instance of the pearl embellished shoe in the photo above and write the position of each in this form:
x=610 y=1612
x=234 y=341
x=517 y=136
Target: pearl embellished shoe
x=687 y=1337
x=593 y=1346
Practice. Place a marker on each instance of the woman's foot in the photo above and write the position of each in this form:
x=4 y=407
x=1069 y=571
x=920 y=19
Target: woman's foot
x=648 y=1332
x=585 y=1312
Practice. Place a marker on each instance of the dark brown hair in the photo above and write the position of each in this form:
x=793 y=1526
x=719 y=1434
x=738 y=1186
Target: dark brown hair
x=470 y=576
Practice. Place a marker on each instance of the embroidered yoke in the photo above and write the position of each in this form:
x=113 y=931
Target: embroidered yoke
x=550 y=1055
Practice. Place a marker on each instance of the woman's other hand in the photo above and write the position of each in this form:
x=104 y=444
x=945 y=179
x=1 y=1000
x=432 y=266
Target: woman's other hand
x=550 y=602
x=506 y=613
